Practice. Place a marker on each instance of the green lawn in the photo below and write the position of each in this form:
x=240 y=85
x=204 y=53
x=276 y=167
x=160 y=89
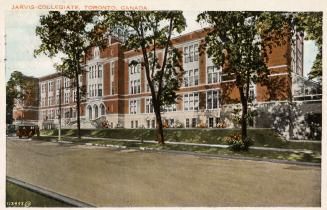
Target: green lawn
x=307 y=156
x=262 y=137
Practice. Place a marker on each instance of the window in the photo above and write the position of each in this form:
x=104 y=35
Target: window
x=112 y=77
x=186 y=79
x=134 y=106
x=90 y=112
x=191 y=101
x=50 y=86
x=210 y=122
x=186 y=102
x=191 y=77
x=58 y=84
x=196 y=76
x=191 y=53
x=96 y=52
x=251 y=93
x=99 y=89
x=212 y=99
x=170 y=108
x=193 y=122
x=102 y=109
x=190 y=74
x=96 y=111
x=42 y=87
x=132 y=124
x=112 y=88
x=186 y=55
x=135 y=68
x=66 y=83
x=148 y=105
x=74 y=96
x=65 y=98
x=112 y=68
x=213 y=75
x=136 y=124
x=131 y=91
x=196 y=52
x=153 y=124
x=148 y=124
x=187 y=123
x=100 y=71
x=135 y=86
x=138 y=86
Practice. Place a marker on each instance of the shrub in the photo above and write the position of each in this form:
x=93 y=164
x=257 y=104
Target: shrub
x=178 y=124
x=236 y=143
x=201 y=125
x=221 y=125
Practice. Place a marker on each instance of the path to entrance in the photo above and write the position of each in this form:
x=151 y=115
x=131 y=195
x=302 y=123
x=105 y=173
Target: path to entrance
x=108 y=177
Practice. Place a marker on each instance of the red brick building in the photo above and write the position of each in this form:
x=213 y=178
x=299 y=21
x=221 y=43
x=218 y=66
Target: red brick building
x=117 y=92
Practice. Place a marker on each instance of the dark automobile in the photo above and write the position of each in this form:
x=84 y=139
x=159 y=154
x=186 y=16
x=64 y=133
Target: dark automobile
x=27 y=131
x=10 y=130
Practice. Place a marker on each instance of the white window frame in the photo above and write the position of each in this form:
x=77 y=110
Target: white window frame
x=212 y=99
x=191 y=101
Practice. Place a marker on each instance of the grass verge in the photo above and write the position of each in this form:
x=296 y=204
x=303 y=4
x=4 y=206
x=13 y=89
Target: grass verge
x=303 y=156
x=262 y=137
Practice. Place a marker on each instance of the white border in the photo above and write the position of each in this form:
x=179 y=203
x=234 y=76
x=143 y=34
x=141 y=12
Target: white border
x=186 y=5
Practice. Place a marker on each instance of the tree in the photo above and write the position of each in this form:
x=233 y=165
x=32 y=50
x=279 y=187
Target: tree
x=151 y=32
x=240 y=42
x=70 y=34
x=18 y=90
x=311 y=24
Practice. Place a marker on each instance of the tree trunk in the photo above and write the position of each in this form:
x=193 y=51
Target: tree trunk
x=159 y=132
x=244 y=121
x=291 y=120
x=78 y=101
x=244 y=114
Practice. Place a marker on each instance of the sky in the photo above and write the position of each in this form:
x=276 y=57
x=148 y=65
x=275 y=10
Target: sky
x=21 y=41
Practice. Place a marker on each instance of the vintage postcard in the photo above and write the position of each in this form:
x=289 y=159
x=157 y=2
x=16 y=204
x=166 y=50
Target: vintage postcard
x=163 y=104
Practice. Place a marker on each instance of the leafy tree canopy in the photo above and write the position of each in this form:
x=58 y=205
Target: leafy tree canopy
x=151 y=32
x=72 y=34
x=311 y=24
x=240 y=42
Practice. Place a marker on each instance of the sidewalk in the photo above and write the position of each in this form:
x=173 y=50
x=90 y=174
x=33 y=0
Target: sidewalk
x=197 y=144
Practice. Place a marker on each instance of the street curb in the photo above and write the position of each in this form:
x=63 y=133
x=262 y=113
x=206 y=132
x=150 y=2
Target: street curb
x=239 y=158
x=145 y=149
x=199 y=144
x=47 y=193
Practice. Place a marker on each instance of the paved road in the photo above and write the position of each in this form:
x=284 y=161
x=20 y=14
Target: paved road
x=108 y=177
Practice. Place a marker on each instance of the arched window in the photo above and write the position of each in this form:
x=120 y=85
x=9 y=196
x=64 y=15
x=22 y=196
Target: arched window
x=103 y=110
x=96 y=52
x=96 y=111
x=90 y=112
